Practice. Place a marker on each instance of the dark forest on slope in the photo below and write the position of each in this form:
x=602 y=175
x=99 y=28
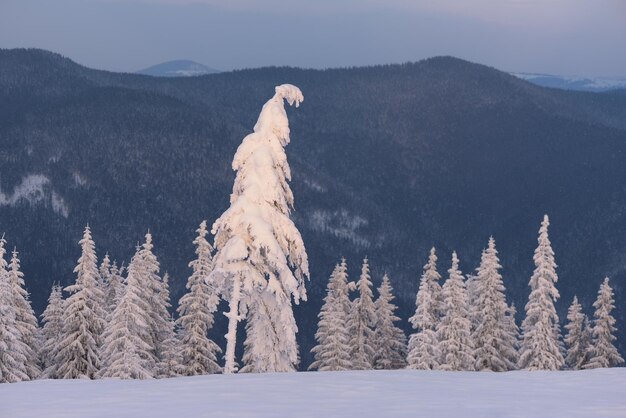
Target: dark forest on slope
x=387 y=161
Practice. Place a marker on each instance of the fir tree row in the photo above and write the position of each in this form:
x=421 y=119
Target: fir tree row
x=464 y=325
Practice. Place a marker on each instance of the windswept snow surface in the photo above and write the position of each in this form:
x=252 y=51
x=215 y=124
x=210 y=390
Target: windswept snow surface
x=400 y=393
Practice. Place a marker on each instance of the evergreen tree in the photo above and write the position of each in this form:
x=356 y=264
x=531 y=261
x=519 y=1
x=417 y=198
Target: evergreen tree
x=578 y=336
x=83 y=322
x=157 y=297
x=332 y=352
x=540 y=348
x=115 y=288
x=454 y=329
x=52 y=329
x=361 y=323
x=602 y=352
x=13 y=358
x=390 y=348
x=261 y=262
x=126 y=354
x=105 y=274
x=172 y=363
x=423 y=350
x=196 y=309
x=491 y=336
x=512 y=339
x=25 y=318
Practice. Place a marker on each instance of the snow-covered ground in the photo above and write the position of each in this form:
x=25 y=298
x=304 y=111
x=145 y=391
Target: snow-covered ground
x=403 y=393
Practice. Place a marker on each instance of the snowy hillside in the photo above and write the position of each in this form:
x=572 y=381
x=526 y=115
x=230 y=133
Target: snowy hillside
x=404 y=393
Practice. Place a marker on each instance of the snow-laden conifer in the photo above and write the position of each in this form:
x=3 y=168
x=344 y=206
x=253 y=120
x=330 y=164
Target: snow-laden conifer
x=261 y=262
x=578 y=336
x=361 y=323
x=115 y=287
x=454 y=330
x=126 y=353
x=52 y=318
x=156 y=294
x=602 y=352
x=423 y=350
x=105 y=273
x=25 y=318
x=171 y=364
x=540 y=347
x=513 y=334
x=493 y=349
x=332 y=352
x=83 y=321
x=13 y=355
x=390 y=348
x=196 y=309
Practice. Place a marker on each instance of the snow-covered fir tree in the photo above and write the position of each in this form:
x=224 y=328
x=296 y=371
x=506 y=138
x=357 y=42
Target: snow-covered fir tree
x=513 y=334
x=332 y=352
x=156 y=294
x=261 y=262
x=105 y=274
x=171 y=364
x=83 y=321
x=361 y=322
x=491 y=336
x=115 y=287
x=423 y=350
x=578 y=336
x=25 y=318
x=390 y=348
x=602 y=351
x=52 y=318
x=454 y=330
x=126 y=352
x=168 y=364
x=540 y=347
x=196 y=309
x=13 y=355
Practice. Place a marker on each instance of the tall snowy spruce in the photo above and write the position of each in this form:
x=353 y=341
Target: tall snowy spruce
x=196 y=309
x=52 y=327
x=493 y=347
x=156 y=294
x=602 y=352
x=83 y=321
x=540 y=347
x=13 y=353
x=126 y=351
x=332 y=352
x=423 y=350
x=361 y=323
x=454 y=330
x=578 y=338
x=115 y=288
x=25 y=318
x=261 y=262
x=390 y=348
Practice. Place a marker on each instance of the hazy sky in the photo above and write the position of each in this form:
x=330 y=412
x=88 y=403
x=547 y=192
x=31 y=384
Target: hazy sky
x=571 y=37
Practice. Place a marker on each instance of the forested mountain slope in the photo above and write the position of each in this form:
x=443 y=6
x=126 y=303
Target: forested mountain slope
x=387 y=161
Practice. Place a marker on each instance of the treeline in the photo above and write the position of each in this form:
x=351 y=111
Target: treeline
x=464 y=325
x=115 y=322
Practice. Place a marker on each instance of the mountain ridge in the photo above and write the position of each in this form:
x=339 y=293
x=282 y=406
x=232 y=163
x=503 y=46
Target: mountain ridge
x=387 y=161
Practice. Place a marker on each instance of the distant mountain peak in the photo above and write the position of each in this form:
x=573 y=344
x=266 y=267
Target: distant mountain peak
x=178 y=68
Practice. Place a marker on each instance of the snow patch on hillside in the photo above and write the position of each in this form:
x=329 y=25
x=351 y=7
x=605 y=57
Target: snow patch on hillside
x=340 y=224
x=400 y=393
x=35 y=189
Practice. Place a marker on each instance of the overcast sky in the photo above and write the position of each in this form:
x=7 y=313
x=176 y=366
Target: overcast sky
x=570 y=37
